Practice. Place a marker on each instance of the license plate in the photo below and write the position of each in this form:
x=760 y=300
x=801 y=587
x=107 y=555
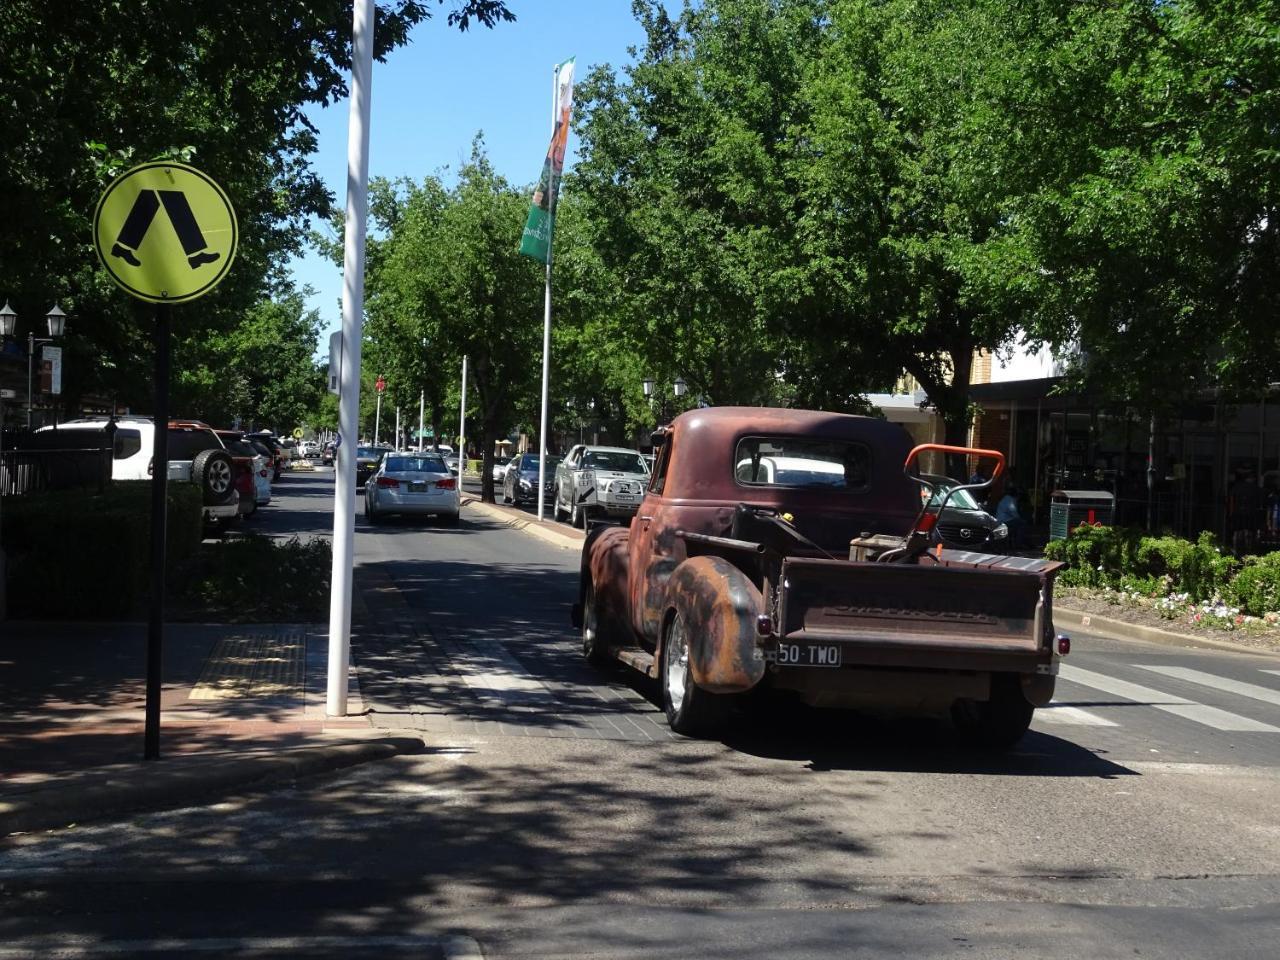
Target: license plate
x=625 y=497
x=418 y=487
x=809 y=654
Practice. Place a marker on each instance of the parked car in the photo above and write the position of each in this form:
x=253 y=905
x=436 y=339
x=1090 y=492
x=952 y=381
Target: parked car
x=367 y=460
x=195 y=455
x=500 y=468
x=736 y=579
x=520 y=479
x=594 y=481
x=281 y=460
x=963 y=524
x=251 y=463
x=412 y=484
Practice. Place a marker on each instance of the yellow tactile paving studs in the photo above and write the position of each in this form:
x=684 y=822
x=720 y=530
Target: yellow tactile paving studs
x=255 y=665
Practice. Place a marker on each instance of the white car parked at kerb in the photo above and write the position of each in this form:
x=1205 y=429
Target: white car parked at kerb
x=596 y=481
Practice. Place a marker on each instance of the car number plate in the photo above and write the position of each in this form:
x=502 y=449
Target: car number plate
x=418 y=487
x=809 y=654
x=625 y=497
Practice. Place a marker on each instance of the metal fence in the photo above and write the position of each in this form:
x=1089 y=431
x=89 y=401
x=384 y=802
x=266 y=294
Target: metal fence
x=27 y=465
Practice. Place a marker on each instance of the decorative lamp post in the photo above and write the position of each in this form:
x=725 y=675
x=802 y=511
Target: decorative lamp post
x=57 y=321
x=8 y=320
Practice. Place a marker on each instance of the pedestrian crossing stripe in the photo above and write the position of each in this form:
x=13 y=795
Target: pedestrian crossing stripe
x=1225 y=684
x=172 y=258
x=1166 y=702
x=1067 y=715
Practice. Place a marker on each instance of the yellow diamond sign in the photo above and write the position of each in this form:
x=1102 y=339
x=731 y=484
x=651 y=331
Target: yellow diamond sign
x=165 y=232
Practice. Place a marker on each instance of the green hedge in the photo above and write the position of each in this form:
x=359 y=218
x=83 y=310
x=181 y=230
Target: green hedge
x=1124 y=559
x=73 y=555
x=259 y=580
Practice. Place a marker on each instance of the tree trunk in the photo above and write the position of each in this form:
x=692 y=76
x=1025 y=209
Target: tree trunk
x=490 y=441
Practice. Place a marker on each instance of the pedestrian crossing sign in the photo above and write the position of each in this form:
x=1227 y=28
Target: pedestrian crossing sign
x=165 y=232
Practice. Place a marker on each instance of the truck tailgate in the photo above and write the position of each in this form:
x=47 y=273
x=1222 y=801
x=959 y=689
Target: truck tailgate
x=874 y=609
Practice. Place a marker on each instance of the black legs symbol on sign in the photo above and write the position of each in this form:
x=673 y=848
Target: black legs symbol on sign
x=180 y=215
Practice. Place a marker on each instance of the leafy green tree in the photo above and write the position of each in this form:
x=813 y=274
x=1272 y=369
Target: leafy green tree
x=91 y=89
x=261 y=373
x=448 y=272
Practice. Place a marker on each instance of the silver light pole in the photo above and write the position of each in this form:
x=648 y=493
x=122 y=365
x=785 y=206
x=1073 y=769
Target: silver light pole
x=344 y=513
x=546 y=317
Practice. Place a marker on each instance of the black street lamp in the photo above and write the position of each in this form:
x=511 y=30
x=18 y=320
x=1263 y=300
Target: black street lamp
x=679 y=388
x=57 y=321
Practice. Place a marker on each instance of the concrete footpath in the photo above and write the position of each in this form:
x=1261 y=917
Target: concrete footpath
x=241 y=705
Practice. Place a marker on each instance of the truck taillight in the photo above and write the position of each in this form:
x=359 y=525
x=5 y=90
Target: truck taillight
x=1064 y=644
x=450 y=484
x=764 y=625
x=388 y=482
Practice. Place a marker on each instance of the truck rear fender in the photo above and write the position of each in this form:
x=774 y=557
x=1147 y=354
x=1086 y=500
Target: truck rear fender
x=605 y=561
x=720 y=606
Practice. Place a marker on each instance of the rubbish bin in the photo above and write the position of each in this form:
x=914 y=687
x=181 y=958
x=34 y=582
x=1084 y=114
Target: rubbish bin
x=1070 y=508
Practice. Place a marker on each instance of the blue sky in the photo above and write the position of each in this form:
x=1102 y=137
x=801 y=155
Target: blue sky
x=431 y=97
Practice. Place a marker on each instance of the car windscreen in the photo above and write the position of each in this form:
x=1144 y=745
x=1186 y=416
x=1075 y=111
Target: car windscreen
x=415 y=465
x=185 y=444
x=372 y=453
x=530 y=462
x=802 y=462
x=959 y=499
x=262 y=449
x=614 y=460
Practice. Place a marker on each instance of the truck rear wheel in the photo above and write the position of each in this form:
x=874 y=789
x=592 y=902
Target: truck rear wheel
x=998 y=722
x=691 y=711
x=595 y=644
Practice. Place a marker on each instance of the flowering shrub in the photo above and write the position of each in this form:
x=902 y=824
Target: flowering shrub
x=1256 y=587
x=1194 y=579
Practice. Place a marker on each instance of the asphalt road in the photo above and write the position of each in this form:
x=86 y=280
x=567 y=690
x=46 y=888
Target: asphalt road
x=553 y=814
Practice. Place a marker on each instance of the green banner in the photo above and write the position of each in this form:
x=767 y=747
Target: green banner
x=535 y=242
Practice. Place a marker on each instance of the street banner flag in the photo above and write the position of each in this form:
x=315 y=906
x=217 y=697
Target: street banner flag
x=536 y=240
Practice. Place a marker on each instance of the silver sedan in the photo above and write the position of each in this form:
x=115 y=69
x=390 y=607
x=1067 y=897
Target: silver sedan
x=412 y=483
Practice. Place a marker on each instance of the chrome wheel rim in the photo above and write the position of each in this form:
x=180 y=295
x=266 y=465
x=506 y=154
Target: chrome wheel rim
x=676 y=655
x=589 y=625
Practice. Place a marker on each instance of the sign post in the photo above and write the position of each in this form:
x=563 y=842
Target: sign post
x=174 y=259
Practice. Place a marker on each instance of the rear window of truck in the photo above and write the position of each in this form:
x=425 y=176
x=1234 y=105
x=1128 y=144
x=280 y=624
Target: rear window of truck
x=802 y=462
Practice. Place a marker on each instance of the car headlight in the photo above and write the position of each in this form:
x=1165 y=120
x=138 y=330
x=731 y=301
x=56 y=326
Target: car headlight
x=1000 y=532
x=525 y=484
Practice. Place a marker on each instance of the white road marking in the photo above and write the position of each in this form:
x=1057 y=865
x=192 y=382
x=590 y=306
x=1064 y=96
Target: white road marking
x=1276 y=672
x=1251 y=690
x=1178 y=706
x=1058 y=713
x=488 y=669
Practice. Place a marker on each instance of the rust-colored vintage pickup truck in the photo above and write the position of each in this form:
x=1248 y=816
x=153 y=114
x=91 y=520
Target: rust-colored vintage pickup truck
x=791 y=549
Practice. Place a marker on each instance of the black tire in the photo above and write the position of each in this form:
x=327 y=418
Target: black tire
x=596 y=631
x=691 y=711
x=556 y=512
x=370 y=513
x=997 y=723
x=215 y=472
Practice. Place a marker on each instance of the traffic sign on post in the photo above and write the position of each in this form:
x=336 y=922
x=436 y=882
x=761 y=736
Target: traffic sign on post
x=174 y=258
x=380 y=385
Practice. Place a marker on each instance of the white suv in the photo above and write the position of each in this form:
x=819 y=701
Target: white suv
x=196 y=455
